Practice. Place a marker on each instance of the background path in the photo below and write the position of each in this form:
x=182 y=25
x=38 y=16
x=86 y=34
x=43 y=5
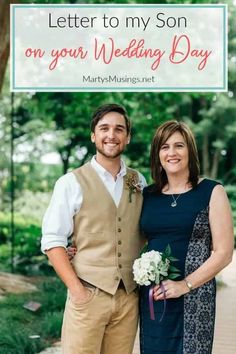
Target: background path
x=225 y=338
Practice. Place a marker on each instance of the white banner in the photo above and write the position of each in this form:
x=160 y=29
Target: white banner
x=119 y=48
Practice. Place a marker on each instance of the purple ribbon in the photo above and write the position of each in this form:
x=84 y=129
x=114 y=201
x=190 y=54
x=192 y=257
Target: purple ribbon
x=151 y=305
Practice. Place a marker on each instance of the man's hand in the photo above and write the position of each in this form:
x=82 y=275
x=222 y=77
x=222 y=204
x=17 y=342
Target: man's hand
x=60 y=261
x=81 y=295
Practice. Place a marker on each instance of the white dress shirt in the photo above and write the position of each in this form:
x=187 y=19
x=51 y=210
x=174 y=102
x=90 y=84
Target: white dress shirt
x=67 y=199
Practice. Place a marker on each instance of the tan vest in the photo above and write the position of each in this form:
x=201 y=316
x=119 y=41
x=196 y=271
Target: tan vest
x=107 y=237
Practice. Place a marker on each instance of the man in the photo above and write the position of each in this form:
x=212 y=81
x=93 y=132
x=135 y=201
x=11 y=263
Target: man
x=99 y=204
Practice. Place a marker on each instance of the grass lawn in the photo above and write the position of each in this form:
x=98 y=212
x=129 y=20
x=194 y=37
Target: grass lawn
x=17 y=324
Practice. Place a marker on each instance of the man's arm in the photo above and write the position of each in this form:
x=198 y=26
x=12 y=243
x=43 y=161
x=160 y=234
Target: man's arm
x=60 y=262
x=57 y=227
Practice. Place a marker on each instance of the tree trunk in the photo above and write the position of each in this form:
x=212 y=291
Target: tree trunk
x=4 y=38
x=65 y=164
x=84 y=159
x=215 y=164
x=65 y=155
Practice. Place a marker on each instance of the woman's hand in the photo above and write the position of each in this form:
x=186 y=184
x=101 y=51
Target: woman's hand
x=71 y=252
x=173 y=289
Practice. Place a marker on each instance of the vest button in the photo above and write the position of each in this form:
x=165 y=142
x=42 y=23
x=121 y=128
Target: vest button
x=119 y=254
x=119 y=219
x=119 y=242
x=117 y=278
x=119 y=230
x=120 y=265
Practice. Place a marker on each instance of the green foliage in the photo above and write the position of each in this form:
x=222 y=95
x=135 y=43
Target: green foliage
x=144 y=249
x=231 y=192
x=173 y=272
x=5 y=254
x=173 y=276
x=28 y=256
x=18 y=324
x=51 y=324
x=56 y=289
x=167 y=252
x=33 y=204
x=17 y=341
x=27 y=234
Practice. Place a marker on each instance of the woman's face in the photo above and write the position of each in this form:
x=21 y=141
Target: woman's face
x=174 y=156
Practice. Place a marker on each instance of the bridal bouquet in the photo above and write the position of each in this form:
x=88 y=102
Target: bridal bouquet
x=153 y=267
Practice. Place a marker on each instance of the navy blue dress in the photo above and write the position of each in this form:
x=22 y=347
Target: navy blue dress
x=188 y=324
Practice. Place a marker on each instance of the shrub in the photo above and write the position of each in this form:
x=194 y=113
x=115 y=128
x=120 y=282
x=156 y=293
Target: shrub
x=231 y=191
x=17 y=341
x=27 y=233
x=51 y=324
x=17 y=324
x=57 y=298
x=28 y=257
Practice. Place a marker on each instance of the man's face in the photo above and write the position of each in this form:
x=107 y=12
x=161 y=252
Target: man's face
x=110 y=135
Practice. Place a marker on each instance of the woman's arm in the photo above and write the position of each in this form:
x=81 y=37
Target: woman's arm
x=221 y=225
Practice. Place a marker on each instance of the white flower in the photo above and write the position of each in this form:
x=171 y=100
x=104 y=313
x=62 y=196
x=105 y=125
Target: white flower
x=150 y=268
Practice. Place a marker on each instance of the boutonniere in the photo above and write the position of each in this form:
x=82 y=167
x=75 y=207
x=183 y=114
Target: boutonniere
x=133 y=185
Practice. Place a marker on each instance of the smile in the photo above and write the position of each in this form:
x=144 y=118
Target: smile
x=111 y=144
x=173 y=161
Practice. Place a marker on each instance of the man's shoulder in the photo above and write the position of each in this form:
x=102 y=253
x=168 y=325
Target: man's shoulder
x=81 y=168
x=65 y=179
x=132 y=170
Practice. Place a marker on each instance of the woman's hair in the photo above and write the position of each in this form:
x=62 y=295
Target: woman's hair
x=162 y=134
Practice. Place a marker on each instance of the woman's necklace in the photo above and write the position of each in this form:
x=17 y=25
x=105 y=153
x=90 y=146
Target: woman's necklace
x=174 y=203
x=174 y=199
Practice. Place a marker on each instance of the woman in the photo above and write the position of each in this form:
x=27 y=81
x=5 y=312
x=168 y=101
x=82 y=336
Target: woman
x=193 y=216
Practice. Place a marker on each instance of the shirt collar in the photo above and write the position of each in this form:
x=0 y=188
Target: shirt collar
x=103 y=172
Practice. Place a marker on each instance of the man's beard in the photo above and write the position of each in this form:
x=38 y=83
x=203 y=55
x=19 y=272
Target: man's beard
x=103 y=153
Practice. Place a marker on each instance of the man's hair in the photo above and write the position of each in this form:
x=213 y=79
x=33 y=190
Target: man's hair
x=107 y=108
x=162 y=134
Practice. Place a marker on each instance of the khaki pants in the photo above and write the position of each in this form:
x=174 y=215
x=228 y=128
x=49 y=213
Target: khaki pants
x=106 y=324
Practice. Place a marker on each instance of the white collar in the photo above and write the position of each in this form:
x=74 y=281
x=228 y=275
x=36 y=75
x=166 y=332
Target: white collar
x=103 y=172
